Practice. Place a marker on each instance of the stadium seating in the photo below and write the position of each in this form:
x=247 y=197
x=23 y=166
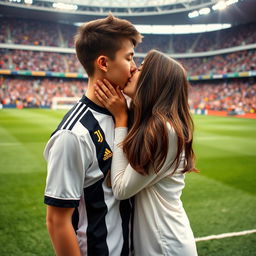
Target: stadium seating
x=29 y=32
x=237 y=96
x=228 y=95
x=38 y=92
x=62 y=62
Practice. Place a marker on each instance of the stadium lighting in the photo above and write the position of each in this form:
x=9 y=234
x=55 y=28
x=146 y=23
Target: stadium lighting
x=180 y=29
x=177 y=29
x=28 y=1
x=204 y=11
x=63 y=6
x=219 y=6
x=193 y=14
x=229 y=2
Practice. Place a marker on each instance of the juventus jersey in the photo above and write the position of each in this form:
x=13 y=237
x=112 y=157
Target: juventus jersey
x=79 y=157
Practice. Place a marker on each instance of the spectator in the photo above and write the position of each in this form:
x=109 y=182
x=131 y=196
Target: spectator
x=31 y=32
x=31 y=92
x=231 y=95
x=64 y=62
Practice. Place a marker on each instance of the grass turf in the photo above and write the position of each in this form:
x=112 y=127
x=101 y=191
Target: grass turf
x=222 y=198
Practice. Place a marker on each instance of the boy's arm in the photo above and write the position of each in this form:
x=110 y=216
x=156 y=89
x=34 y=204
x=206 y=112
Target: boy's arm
x=59 y=224
x=68 y=156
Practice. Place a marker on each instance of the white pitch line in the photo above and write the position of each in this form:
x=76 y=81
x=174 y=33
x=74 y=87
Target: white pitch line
x=220 y=236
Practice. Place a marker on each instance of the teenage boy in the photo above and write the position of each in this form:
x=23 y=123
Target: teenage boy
x=83 y=217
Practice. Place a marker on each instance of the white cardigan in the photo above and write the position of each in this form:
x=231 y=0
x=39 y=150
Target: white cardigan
x=161 y=226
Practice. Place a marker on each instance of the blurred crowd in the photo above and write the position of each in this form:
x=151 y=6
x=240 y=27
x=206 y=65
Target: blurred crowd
x=234 y=96
x=32 y=92
x=221 y=64
x=63 y=62
x=237 y=95
x=30 y=32
x=39 y=61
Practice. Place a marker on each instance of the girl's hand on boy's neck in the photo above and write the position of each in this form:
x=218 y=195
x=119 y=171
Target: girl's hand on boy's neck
x=112 y=99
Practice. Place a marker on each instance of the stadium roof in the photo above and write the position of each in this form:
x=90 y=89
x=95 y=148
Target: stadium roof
x=168 y=12
x=134 y=3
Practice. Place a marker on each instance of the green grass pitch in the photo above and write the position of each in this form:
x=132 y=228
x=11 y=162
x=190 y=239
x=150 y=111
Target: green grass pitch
x=221 y=199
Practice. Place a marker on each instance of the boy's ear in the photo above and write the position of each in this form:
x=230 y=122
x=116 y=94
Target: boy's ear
x=102 y=63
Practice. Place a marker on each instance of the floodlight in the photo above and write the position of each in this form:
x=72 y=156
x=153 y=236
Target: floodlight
x=229 y=2
x=180 y=29
x=219 y=6
x=193 y=14
x=204 y=11
x=65 y=6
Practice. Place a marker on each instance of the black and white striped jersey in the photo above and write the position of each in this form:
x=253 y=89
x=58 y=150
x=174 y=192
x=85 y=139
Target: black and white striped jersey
x=79 y=155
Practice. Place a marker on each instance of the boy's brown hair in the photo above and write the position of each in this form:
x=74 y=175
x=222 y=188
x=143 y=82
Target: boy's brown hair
x=103 y=36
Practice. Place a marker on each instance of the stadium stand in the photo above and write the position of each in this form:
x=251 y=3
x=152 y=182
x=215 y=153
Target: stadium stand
x=29 y=32
x=235 y=96
x=33 y=32
x=227 y=94
x=235 y=36
x=37 y=92
x=221 y=64
x=64 y=62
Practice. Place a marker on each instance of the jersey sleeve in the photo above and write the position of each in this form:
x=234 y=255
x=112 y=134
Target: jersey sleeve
x=68 y=157
x=126 y=182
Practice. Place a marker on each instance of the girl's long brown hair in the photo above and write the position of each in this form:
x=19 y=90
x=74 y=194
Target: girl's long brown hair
x=161 y=97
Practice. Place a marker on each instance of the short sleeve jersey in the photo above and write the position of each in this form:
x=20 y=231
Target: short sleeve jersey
x=79 y=155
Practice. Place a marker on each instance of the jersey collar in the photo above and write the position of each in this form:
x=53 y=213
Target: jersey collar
x=94 y=106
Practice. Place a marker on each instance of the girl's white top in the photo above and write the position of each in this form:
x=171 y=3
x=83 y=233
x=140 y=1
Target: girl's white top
x=161 y=226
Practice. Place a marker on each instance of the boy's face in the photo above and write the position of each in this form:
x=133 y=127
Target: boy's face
x=121 y=69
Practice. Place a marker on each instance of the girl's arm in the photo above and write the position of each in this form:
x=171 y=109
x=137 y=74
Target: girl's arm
x=126 y=181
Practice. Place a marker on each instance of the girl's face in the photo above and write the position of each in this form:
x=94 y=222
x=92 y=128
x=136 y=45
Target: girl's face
x=131 y=87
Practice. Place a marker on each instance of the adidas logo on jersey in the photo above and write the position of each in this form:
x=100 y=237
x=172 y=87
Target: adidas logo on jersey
x=107 y=154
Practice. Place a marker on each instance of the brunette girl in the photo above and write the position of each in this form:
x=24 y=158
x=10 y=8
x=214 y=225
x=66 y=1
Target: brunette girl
x=151 y=159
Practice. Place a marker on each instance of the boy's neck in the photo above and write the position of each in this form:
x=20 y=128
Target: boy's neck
x=90 y=92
